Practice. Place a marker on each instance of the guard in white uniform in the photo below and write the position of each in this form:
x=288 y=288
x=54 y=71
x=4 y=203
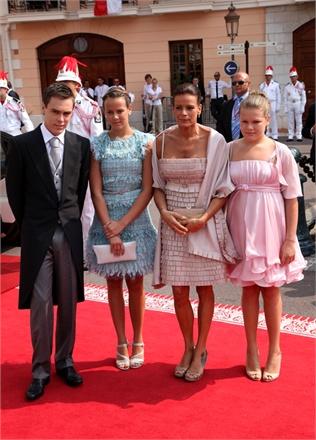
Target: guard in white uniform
x=272 y=90
x=294 y=105
x=12 y=111
x=86 y=120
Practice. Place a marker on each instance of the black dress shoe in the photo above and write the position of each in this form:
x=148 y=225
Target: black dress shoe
x=289 y=140
x=299 y=140
x=70 y=376
x=36 y=389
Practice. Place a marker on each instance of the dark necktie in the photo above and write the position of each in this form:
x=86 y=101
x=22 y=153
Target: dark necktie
x=216 y=89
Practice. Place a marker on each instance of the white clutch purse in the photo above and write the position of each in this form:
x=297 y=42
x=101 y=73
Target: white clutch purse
x=190 y=212
x=104 y=254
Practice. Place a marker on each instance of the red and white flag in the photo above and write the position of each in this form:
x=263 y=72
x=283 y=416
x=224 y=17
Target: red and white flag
x=107 y=7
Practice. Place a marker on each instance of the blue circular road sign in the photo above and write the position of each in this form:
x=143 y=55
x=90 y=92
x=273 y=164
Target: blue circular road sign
x=231 y=67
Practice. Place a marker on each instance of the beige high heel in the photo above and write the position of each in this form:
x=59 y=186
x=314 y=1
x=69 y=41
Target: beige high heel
x=254 y=374
x=180 y=370
x=269 y=376
x=192 y=376
x=122 y=361
x=137 y=360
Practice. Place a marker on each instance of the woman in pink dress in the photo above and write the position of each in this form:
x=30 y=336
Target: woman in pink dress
x=262 y=218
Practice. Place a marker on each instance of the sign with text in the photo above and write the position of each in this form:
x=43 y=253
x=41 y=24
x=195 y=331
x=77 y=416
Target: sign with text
x=231 y=46
x=263 y=44
x=230 y=52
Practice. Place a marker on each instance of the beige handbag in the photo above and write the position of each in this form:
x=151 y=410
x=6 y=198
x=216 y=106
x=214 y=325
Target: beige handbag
x=190 y=212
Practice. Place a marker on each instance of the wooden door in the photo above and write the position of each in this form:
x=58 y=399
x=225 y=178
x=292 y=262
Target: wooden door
x=104 y=57
x=186 y=62
x=304 y=58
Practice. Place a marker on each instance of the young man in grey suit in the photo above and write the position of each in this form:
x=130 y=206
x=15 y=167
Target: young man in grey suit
x=47 y=178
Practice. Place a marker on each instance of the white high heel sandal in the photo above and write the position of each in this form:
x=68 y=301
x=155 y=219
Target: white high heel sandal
x=137 y=360
x=122 y=361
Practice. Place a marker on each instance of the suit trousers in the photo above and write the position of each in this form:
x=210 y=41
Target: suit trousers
x=57 y=269
x=216 y=107
x=148 y=109
x=157 y=119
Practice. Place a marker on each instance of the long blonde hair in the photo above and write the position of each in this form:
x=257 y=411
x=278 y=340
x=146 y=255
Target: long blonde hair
x=257 y=99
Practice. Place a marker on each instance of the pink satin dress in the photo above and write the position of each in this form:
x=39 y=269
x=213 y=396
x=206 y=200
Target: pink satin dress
x=256 y=219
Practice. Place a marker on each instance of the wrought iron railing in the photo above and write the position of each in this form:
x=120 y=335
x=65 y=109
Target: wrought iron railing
x=19 y=6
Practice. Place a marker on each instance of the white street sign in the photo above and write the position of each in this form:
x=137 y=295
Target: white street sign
x=230 y=52
x=262 y=44
x=230 y=46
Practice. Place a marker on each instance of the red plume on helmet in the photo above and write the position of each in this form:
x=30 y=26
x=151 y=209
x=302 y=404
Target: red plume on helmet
x=4 y=79
x=293 y=71
x=68 y=69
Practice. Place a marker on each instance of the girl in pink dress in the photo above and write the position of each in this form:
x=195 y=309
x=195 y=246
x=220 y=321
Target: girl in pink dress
x=262 y=217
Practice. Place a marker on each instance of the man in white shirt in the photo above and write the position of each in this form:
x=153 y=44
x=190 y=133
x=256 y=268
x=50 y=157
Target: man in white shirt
x=100 y=90
x=147 y=104
x=216 y=88
x=271 y=89
x=154 y=92
x=294 y=105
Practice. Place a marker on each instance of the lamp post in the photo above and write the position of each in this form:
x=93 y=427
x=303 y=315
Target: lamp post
x=232 y=24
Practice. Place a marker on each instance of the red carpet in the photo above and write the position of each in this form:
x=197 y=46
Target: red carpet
x=10 y=267
x=150 y=403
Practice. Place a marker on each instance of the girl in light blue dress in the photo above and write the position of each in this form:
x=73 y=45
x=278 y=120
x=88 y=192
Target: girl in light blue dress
x=121 y=188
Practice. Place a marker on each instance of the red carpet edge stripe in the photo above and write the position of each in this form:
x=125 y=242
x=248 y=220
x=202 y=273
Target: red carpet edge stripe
x=229 y=314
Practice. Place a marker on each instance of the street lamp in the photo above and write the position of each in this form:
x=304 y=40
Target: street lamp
x=232 y=24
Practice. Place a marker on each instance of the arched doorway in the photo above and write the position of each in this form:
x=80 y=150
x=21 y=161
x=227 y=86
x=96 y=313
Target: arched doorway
x=104 y=57
x=304 y=57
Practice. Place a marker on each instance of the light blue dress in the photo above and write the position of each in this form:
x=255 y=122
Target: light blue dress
x=121 y=163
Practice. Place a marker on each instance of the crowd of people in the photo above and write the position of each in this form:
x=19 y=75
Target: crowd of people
x=222 y=194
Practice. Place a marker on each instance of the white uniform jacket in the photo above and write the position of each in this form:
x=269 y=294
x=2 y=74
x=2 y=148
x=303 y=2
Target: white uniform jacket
x=12 y=115
x=272 y=91
x=86 y=119
x=295 y=96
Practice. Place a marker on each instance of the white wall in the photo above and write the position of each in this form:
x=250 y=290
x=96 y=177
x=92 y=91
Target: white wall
x=281 y=21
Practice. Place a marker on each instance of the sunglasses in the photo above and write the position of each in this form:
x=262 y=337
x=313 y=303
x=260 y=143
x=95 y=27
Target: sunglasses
x=239 y=83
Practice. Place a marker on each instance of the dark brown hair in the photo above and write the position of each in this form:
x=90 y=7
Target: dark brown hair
x=57 y=90
x=188 y=89
x=117 y=92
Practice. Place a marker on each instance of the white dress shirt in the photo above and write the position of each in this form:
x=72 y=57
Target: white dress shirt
x=99 y=92
x=154 y=94
x=220 y=86
x=47 y=136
